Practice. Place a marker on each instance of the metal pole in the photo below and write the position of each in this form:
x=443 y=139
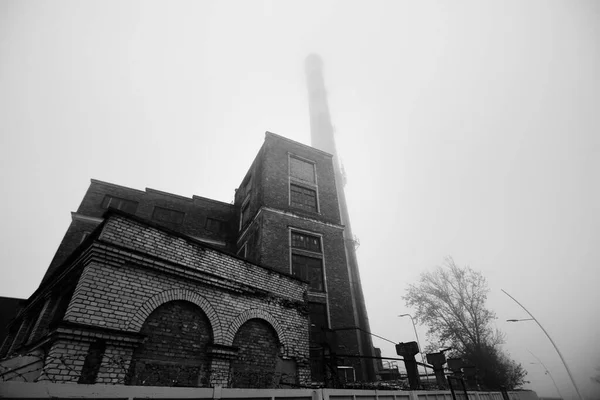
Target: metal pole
x=418 y=342
x=551 y=341
x=548 y=372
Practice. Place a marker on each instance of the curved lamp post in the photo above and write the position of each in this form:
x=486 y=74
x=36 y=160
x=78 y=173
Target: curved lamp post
x=549 y=338
x=419 y=343
x=547 y=373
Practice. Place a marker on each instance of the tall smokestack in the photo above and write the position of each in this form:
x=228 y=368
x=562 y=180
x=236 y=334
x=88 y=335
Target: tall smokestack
x=322 y=138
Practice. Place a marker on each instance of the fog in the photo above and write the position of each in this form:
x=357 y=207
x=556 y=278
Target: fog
x=467 y=129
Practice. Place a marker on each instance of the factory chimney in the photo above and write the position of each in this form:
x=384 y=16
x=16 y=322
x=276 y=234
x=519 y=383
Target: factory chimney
x=322 y=138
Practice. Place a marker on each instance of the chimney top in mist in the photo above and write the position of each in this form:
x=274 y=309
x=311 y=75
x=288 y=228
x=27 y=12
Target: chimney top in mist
x=313 y=62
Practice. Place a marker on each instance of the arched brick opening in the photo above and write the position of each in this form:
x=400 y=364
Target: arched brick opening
x=257 y=357
x=247 y=315
x=177 y=294
x=175 y=350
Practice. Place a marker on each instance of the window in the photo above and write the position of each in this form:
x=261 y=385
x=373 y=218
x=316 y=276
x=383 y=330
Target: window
x=309 y=269
x=214 y=225
x=302 y=197
x=306 y=242
x=302 y=170
x=166 y=215
x=307 y=259
x=317 y=317
x=252 y=245
x=303 y=184
x=244 y=215
x=92 y=362
x=128 y=206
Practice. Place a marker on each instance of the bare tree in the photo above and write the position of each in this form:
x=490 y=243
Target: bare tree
x=451 y=301
x=596 y=378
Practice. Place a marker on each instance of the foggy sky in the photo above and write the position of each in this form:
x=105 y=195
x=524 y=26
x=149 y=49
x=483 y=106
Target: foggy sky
x=467 y=129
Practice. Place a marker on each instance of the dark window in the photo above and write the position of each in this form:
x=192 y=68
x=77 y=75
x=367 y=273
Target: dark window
x=60 y=309
x=129 y=206
x=302 y=197
x=92 y=362
x=244 y=215
x=306 y=242
x=309 y=269
x=253 y=245
x=215 y=225
x=302 y=170
x=30 y=324
x=317 y=317
x=166 y=215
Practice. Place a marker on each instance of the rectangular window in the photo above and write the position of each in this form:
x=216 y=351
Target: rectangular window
x=304 y=198
x=244 y=215
x=302 y=170
x=166 y=215
x=253 y=245
x=317 y=320
x=92 y=363
x=317 y=317
x=214 y=225
x=309 y=269
x=128 y=206
x=306 y=242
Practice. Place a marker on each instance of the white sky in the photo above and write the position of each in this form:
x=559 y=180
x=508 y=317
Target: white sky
x=467 y=128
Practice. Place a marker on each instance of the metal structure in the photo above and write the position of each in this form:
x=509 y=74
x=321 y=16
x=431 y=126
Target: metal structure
x=418 y=342
x=549 y=338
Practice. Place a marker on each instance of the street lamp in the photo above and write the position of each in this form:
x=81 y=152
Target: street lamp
x=419 y=343
x=549 y=338
x=517 y=320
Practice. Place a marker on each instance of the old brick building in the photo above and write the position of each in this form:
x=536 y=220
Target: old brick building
x=151 y=288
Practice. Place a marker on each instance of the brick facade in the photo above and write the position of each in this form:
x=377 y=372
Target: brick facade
x=221 y=281
x=175 y=351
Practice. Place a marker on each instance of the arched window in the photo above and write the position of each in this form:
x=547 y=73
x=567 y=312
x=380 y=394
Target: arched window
x=255 y=366
x=175 y=350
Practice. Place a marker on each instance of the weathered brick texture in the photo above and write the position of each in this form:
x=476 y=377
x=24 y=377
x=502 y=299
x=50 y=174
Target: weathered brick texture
x=196 y=211
x=175 y=351
x=113 y=270
x=139 y=279
x=257 y=356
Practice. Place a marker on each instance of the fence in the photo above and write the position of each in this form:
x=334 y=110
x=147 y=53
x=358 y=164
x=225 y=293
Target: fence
x=57 y=391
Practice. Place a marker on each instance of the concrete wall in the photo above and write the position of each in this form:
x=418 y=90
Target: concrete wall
x=18 y=390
